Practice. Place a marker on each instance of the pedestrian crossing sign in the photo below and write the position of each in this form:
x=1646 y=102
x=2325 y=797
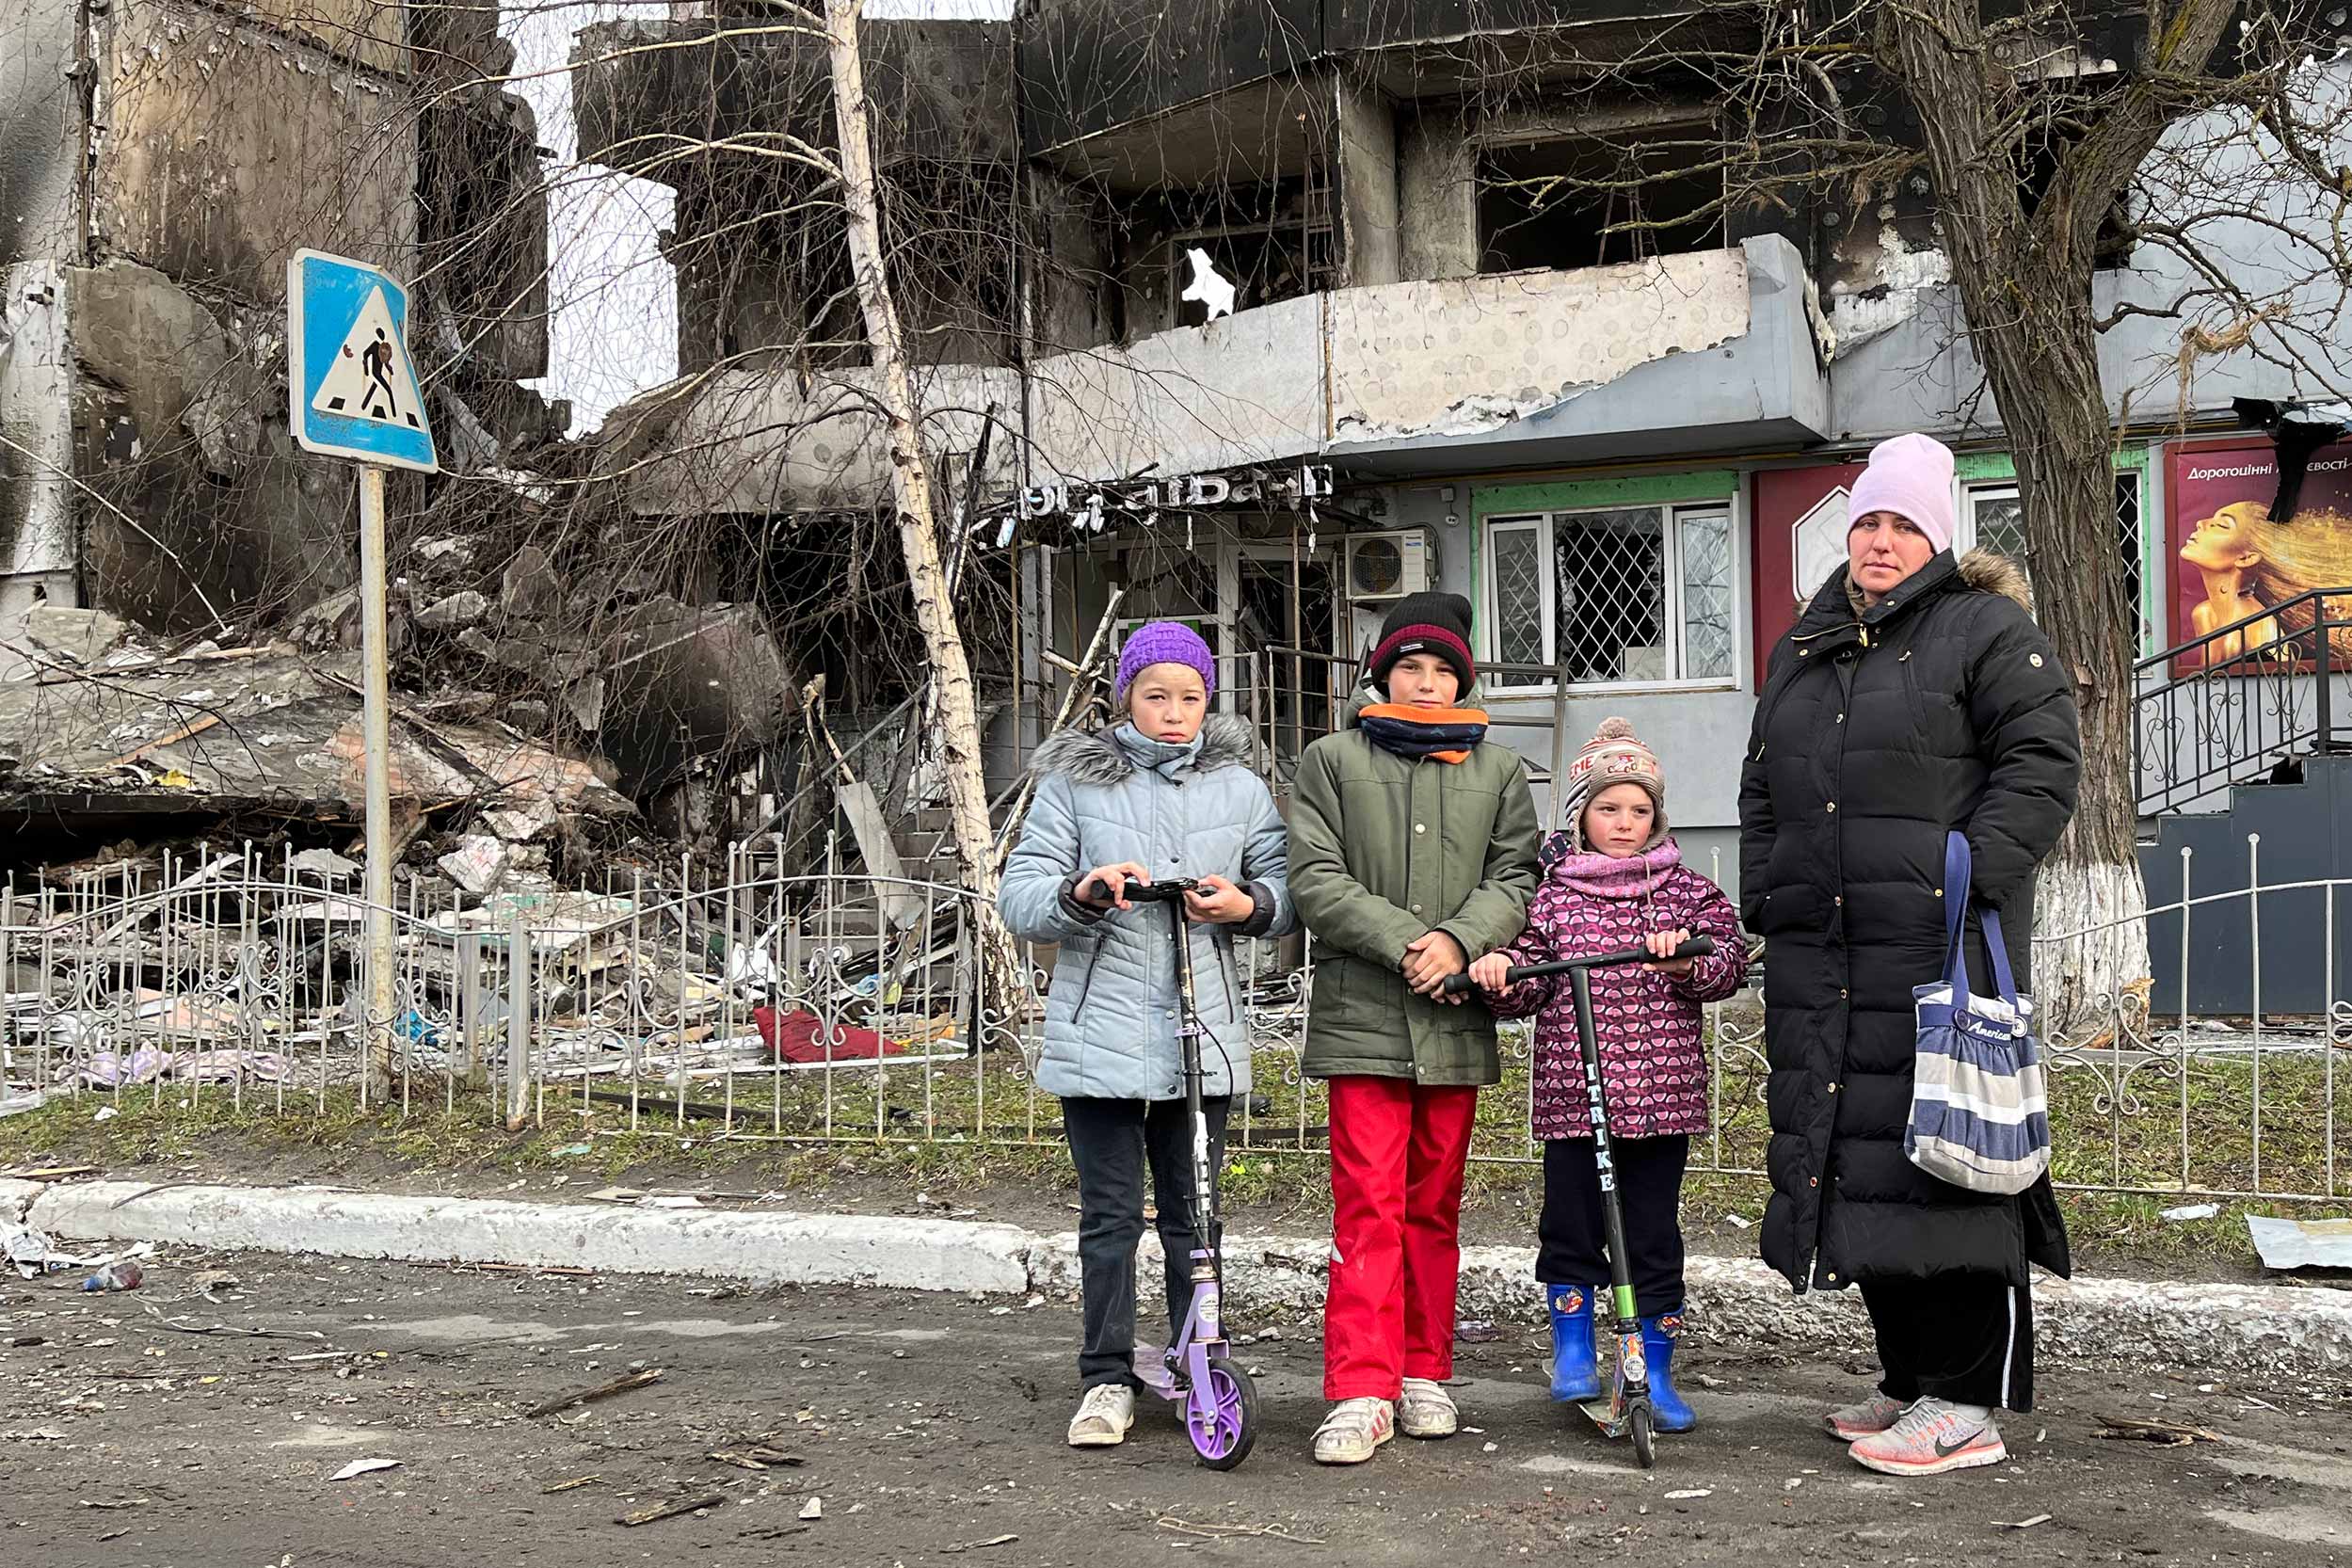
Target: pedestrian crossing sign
x=352 y=387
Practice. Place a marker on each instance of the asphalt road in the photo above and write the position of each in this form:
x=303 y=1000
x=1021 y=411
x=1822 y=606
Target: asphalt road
x=929 y=1431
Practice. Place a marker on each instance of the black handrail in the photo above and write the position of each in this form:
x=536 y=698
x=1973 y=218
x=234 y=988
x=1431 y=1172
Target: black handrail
x=2230 y=719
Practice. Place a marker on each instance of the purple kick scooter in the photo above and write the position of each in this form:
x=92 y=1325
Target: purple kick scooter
x=1220 y=1403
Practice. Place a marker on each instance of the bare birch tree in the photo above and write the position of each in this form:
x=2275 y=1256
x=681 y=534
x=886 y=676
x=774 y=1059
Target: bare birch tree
x=957 y=737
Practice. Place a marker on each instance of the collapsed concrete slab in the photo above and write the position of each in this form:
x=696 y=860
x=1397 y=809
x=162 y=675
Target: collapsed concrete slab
x=253 y=729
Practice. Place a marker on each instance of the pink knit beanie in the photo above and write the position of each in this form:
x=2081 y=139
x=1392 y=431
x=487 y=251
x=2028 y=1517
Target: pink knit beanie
x=1912 y=477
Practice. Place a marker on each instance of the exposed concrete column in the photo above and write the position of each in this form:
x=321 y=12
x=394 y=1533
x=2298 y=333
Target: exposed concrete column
x=1073 y=261
x=1366 y=135
x=1437 y=197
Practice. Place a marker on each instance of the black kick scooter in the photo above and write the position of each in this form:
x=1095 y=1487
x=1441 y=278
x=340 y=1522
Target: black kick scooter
x=1627 y=1408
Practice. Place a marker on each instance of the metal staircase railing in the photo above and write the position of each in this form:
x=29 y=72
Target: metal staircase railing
x=2230 y=706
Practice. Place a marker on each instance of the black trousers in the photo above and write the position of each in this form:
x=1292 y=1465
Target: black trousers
x=1968 y=1338
x=1113 y=1143
x=1573 y=1241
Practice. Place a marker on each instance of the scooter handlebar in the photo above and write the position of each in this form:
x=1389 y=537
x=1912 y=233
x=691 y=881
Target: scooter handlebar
x=1166 y=891
x=1698 y=946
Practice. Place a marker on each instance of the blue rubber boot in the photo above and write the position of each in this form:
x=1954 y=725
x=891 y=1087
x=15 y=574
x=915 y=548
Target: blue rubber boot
x=1575 y=1378
x=1672 y=1410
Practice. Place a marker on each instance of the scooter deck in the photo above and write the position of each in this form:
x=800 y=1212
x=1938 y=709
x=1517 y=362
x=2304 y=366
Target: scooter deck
x=1613 y=1423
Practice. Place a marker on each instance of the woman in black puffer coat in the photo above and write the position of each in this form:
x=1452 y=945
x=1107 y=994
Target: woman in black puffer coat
x=1914 y=697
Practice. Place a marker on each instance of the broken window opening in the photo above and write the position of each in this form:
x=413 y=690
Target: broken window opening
x=1594 y=200
x=1272 y=242
x=1263 y=265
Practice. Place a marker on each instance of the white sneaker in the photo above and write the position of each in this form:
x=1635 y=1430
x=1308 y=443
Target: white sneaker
x=1103 y=1416
x=1426 y=1410
x=1853 y=1422
x=1933 y=1436
x=1354 y=1430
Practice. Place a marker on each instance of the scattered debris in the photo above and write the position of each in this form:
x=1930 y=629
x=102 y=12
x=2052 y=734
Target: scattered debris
x=812 y=1509
x=759 y=1456
x=1227 y=1533
x=50 y=1172
x=2191 y=1212
x=2021 y=1523
x=602 y=1391
x=981 y=1545
x=2168 y=1435
x=178 y=1327
x=2288 y=1244
x=1477 y=1330
x=453 y=613
x=364 y=1468
x=211 y=1280
x=671 y=1511
x=113 y=1502
x=121 y=1274
x=146 y=1064
x=31 y=1252
x=324 y=863
x=477 y=864
x=34 y=1434
x=571 y=1485
x=1691 y=1495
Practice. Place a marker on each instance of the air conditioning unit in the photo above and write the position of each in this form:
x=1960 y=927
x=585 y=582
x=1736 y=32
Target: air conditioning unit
x=1391 y=563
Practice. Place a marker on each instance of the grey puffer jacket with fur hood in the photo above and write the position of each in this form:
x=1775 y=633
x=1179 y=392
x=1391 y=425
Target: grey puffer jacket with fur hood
x=1189 y=811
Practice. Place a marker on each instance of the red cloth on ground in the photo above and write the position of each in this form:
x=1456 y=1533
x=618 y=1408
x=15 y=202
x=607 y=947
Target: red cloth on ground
x=802 y=1036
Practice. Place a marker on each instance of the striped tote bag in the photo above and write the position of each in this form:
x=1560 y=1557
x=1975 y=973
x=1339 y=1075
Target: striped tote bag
x=1979 y=1107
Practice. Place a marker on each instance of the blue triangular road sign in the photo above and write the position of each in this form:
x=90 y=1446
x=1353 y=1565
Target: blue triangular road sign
x=353 y=389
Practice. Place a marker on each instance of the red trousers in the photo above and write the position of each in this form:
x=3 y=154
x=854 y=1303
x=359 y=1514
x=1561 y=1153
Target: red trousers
x=1398 y=1149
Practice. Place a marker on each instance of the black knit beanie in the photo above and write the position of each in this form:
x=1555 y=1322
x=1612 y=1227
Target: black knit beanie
x=1426 y=623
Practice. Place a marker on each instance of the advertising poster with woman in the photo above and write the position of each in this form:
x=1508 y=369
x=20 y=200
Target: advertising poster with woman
x=2241 y=571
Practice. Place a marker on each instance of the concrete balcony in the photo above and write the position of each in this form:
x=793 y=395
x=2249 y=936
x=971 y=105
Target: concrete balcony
x=1709 y=352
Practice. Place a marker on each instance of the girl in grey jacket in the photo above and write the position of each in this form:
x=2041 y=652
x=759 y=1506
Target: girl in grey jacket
x=1167 y=794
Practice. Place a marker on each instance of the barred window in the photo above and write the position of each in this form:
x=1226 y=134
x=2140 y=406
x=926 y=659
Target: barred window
x=1997 y=516
x=1627 y=596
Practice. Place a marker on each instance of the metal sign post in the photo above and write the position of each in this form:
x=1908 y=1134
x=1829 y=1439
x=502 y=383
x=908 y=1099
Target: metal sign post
x=354 y=392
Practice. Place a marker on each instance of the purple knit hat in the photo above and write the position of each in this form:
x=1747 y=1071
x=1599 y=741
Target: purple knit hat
x=1164 y=642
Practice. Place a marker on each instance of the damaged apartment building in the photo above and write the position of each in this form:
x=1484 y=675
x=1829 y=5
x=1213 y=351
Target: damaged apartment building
x=1274 y=311
x=178 y=615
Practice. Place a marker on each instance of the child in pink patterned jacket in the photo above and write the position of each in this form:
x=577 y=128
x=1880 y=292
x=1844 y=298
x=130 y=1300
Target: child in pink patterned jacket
x=1614 y=880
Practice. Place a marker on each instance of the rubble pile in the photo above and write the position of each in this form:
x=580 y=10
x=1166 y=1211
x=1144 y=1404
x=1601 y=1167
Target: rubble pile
x=234 y=969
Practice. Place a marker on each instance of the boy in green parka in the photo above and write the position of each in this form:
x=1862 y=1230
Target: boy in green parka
x=1413 y=852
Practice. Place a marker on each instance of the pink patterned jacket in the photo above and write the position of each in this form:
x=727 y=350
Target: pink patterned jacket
x=1654 y=1063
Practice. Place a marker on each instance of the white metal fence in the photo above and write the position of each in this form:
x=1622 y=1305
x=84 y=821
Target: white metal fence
x=838 y=1007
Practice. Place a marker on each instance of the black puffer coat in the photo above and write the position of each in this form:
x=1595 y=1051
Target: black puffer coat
x=1940 y=708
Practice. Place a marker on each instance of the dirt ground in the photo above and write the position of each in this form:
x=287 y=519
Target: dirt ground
x=167 y=1429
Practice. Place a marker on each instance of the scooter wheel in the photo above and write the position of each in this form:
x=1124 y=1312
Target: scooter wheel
x=1644 y=1437
x=1222 y=1417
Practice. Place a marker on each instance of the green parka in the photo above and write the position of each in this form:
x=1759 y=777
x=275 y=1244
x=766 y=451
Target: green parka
x=1383 y=850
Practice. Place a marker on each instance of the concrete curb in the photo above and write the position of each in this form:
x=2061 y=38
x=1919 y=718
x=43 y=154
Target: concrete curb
x=2287 y=1329
x=763 y=1247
